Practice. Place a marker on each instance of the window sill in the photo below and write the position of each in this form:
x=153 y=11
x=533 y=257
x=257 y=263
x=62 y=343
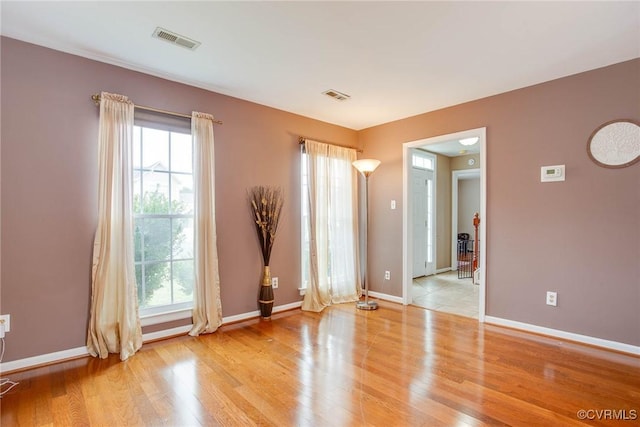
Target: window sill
x=167 y=316
x=302 y=291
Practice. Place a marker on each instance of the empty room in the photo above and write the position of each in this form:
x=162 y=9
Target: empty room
x=319 y=213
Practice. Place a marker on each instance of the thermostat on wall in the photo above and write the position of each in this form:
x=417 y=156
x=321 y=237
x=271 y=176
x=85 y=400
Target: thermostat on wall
x=552 y=173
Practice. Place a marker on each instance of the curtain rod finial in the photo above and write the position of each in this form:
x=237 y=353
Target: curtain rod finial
x=96 y=98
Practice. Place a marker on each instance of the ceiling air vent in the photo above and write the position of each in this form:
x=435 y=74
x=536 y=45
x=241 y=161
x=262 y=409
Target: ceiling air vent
x=336 y=95
x=174 y=38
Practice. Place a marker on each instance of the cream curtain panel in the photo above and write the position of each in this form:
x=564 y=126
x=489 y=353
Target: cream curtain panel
x=114 y=324
x=334 y=275
x=207 y=307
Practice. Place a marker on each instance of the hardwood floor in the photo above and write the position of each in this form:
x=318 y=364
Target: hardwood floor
x=397 y=366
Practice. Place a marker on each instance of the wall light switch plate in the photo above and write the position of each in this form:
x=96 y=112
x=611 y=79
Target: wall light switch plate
x=393 y=204
x=552 y=298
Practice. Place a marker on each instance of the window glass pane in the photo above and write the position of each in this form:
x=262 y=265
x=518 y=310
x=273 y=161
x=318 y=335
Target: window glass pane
x=182 y=238
x=428 y=163
x=421 y=162
x=157 y=281
x=181 y=193
x=181 y=149
x=138 y=226
x=157 y=239
x=137 y=188
x=182 y=281
x=139 y=283
x=136 y=147
x=156 y=192
x=155 y=149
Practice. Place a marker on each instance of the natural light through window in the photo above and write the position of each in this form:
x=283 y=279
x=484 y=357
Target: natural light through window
x=304 y=208
x=163 y=219
x=422 y=162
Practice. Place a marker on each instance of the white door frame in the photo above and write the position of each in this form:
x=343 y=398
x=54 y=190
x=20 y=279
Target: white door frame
x=455 y=177
x=407 y=255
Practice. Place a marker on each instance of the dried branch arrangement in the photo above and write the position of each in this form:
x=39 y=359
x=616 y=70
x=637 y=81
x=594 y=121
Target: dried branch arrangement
x=266 y=204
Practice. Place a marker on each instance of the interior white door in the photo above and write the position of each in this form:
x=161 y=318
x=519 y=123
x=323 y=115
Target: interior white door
x=423 y=222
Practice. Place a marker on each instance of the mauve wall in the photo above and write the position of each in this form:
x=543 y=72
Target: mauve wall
x=49 y=189
x=579 y=237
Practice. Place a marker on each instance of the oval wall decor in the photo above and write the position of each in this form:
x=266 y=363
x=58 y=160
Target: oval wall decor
x=615 y=144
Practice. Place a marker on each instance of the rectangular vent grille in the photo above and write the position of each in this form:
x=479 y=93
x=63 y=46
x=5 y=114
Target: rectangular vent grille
x=336 y=95
x=174 y=38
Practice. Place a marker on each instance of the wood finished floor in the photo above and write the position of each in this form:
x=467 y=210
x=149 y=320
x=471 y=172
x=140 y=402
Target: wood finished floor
x=397 y=366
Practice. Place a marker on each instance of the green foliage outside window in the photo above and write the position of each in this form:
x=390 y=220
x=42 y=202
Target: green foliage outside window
x=160 y=236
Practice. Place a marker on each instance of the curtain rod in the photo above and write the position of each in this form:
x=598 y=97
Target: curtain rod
x=96 y=100
x=302 y=140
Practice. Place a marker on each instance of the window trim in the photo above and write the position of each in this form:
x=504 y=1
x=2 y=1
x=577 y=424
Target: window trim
x=148 y=319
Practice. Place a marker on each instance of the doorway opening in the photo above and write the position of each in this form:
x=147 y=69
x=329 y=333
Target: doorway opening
x=448 y=155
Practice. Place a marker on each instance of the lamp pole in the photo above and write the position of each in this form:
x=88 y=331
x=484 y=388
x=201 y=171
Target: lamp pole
x=366 y=168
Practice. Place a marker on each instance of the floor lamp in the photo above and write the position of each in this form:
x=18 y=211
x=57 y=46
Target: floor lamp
x=366 y=168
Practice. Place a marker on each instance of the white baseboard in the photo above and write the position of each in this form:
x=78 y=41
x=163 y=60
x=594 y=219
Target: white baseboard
x=443 y=270
x=44 y=359
x=584 y=339
x=385 y=297
x=74 y=353
x=254 y=314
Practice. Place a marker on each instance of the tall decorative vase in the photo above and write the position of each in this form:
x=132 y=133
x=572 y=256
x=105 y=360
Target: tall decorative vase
x=266 y=205
x=266 y=294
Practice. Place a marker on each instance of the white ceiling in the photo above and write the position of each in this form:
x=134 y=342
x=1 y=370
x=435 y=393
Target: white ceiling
x=395 y=59
x=452 y=148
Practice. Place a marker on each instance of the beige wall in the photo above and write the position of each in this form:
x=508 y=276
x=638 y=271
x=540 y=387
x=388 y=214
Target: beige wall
x=443 y=212
x=571 y=237
x=468 y=204
x=49 y=189
x=462 y=162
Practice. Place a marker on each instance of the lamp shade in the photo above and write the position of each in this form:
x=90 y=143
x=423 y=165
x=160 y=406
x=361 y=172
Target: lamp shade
x=366 y=166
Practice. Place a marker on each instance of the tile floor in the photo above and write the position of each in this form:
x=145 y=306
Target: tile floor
x=445 y=292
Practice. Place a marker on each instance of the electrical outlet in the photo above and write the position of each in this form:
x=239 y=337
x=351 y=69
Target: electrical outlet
x=552 y=298
x=387 y=275
x=274 y=282
x=5 y=319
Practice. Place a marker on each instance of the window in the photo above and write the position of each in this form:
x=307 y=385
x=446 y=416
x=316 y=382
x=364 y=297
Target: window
x=333 y=216
x=304 y=235
x=422 y=162
x=163 y=203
